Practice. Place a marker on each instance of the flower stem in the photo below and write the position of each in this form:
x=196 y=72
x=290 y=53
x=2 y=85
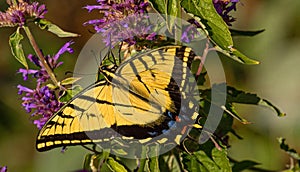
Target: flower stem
x=40 y=55
x=203 y=58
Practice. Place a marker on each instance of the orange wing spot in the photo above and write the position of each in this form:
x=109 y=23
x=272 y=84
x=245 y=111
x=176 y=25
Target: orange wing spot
x=177 y=119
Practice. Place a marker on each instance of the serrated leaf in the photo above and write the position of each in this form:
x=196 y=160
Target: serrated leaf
x=70 y=93
x=220 y=158
x=114 y=165
x=69 y=81
x=47 y=25
x=16 y=47
x=292 y=152
x=215 y=25
x=239 y=96
x=243 y=165
x=235 y=32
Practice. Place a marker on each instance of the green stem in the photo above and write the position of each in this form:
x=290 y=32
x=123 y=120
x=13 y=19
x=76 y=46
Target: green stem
x=40 y=55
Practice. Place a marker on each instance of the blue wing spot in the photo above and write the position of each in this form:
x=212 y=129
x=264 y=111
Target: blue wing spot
x=153 y=133
x=171 y=123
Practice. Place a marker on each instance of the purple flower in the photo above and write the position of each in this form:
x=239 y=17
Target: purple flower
x=41 y=102
x=3 y=169
x=41 y=74
x=131 y=29
x=26 y=72
x=223 y=7
x=190 y=32
x=117 y=23
x=17 y=14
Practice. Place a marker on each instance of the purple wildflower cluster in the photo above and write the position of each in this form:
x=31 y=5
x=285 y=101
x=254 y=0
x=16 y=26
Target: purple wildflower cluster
x=124 y=21
x=17 y=14
x=42 y=100
x=113 y=11
x=190 y=32
x=223 y=8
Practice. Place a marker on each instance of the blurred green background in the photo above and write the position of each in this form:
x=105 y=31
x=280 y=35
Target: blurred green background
x=276 y=79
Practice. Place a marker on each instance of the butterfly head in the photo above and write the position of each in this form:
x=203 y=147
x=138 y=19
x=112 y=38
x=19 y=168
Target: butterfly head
x=108 y=70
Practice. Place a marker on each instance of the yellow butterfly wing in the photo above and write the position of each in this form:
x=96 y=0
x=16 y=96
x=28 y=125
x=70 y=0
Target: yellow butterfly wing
x=142 y=100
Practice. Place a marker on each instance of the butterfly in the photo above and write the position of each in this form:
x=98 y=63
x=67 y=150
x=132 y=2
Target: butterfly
x=150 y=97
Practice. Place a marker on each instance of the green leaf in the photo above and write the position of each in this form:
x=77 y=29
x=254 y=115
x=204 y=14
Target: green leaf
x=239 y=96
x=130 y=164
x=87 y=161
x=235 y=32
x=153 y=163
x=237 y=56
x=169 y=8
x=170 y=162
x=215 y=25
x=16 y=47
x=69 y=81
x=208 y=163
x=52 y=86
x=159 y=5
x=45 y=24
x=231 y=111
x=220 y=158
x=243 y=165
x=292 y=152
x=226 y=125
x=172 y=11
x=243 y=58
x=93 y=161
x=191 y=163
x=114 y=165
x=70 y=93
x=265 y=102
x=143 y=162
